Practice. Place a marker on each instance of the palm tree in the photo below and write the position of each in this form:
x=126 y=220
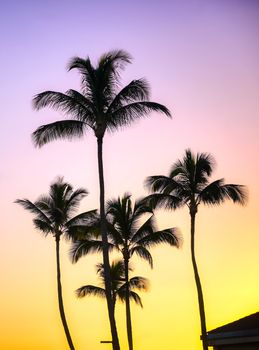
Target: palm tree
x=129 y=237
x=188 y=184
x=99 y=106
x=118 y=284
x=54 y=215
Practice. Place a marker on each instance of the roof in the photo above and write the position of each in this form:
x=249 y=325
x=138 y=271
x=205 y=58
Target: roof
x=246 y=323
x=243 y=331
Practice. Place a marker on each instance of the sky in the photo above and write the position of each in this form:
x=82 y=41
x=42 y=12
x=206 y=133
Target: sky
x=201 y=60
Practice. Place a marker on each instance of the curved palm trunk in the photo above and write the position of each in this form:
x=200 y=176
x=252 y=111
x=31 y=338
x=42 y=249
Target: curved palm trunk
x=115 y=340
x=127 y=301
x=60 y=298
x=198 y=285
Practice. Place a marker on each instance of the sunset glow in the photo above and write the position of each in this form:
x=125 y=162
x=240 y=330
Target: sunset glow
x=201 y=60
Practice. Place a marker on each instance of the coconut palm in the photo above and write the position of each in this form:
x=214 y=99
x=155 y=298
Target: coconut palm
x=100 y=106
x=54 y=216
x=118 y=284
x=188 y=184
x=132 y=230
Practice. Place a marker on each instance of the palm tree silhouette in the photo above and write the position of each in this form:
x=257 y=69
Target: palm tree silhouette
x=131 y=232
x=54 y=215
x=118 y=284
x=188 y=184
x=101 y=107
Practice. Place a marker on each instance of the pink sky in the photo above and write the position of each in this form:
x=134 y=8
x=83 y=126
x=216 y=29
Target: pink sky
x=201 y=59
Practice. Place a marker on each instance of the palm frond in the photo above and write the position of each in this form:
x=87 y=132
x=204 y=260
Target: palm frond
x=140 y=283
x=145 y=229
x=87 y=106
x=117 y=274
x=169 y=236
x=136 y=90
x=166 y=201
x=237 y=193
x=160 y=183
x=89 y=219
x=28 y=205
x=136 y=298
x=109 y=66
x=116 y=59
x=71 y=103
x=143 y=253
x=88 y=75
x=44 y=203
x=90 y=290
x=81 y=248
x=127 y=114
x=99 y=84
x=205 y=165
x=74 y=199
x=117 y=205
x=67 y=129
x=81 y=232
x=114 y=235
x=184 y=170
x=189 y=167
x=140 y=211
x=60 y=192
x=141 y=207
x=216 y=192
x=83 y=65
x=121 y=293
x=85 y=227
x=178 y=171
x=193 y=171
x=119 y=213
x=43 y=226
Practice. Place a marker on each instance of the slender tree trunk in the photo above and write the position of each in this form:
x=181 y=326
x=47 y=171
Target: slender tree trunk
x=198 y=285
x=60 y=298
x=115 y=339
x=127 y=301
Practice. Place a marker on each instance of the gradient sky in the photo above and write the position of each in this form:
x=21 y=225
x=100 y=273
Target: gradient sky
x=201 y=59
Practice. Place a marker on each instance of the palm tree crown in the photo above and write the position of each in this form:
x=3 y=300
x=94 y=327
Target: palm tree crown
x=133 y=232
x=188 y=184
x=54 y=212
x=100 y=105
x=118 y=284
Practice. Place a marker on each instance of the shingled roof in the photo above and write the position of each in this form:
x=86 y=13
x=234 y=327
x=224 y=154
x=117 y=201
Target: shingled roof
x=246 y=323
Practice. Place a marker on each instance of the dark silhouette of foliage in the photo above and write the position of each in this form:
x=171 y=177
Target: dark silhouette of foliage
x=53 y=215
x=118 y=284
x=131 y=230
x=99 y=106
x=188 y=185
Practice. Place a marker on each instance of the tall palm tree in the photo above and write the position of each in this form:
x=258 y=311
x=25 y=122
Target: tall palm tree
x=54 y=216
x=118 y=288
x=188 y=184
x=132 y=230
x=100 y=106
